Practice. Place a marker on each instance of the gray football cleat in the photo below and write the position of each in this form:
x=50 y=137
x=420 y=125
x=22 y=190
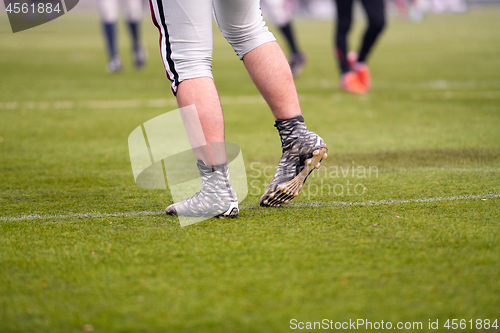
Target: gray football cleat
x=215 y=199
x=303 y=151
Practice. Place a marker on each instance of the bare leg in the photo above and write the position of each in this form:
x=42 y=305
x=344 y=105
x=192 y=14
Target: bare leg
x=202 y=93
x=216 y=197
x=302 y=150
x=270 y=71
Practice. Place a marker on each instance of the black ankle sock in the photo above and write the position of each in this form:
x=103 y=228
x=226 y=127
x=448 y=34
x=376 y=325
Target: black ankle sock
x=290 y=129
x=290 y=37
x=134 y=32
x=298 y=118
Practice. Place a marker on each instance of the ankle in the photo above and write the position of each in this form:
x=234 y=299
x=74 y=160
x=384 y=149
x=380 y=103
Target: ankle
x=290 y=129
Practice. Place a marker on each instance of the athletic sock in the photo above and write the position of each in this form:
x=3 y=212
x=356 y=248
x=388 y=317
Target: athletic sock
x=375 y=11
x=369 y=40
x=134 y=32
x=343 y=63
x=290 y=129
x=110 y=35
x=287 y=31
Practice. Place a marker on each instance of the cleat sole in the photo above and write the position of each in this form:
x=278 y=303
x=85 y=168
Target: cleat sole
x=289 y=190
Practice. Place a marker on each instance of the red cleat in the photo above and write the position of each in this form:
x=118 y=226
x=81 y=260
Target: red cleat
x=364 y=76
x=350 y=82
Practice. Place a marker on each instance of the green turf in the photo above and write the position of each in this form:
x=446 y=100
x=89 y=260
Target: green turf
x=430 y=129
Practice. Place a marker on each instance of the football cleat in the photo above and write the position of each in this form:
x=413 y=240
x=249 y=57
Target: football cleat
x=114 y=66
x=303 y=152
x=215 y=199
x=361 y=69
x=350 y=82
x=364 y=76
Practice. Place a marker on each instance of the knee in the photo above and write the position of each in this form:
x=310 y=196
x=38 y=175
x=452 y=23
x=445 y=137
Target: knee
x=192 y=67
x=179 y=69
x=246 y=38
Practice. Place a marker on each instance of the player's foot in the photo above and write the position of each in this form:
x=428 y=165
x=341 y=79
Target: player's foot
x=115 y=65
x=364 y=75
x=297 y=63
x=215 y=199
x=302 y=152
x=139 y=57
x=361 y=69
x=350 y=82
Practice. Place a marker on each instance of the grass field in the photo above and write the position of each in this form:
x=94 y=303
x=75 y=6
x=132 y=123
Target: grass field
x=83 y=248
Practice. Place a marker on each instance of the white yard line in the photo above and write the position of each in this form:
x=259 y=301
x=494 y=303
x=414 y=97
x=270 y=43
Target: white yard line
x=68 y=105
x=397 y=202
x=238 y=100
x=79 y=216
x=456 y=95
x=118 y=104
x=313 y=204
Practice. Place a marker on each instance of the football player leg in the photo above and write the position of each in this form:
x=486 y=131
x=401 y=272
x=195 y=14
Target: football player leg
x=267 y=65
x=135 y=10
x=375 y=13
x=280 y=13
x=349 y=80
x=186 y=51
x=108 y=12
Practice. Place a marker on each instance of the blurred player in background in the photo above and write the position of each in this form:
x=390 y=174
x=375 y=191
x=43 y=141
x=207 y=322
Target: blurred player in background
x=447 y=6
x=280 y=12
x=355 y=75
x=109 y=11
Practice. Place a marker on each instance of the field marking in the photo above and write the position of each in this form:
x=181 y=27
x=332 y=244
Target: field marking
x=460 y=169
x=119 y=104
x=397 y=202
x=314 y=204
x=435 y=85
x=80 y=216
x=456 y=95
x=235 y=100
